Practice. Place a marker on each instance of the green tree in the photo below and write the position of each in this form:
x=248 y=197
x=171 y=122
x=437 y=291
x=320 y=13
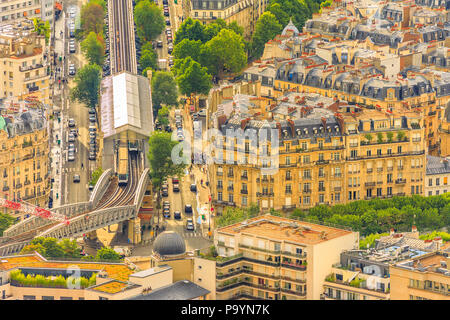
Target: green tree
x=149 y=20
x=389 y=136
x=225 y=52
x=52 y=248
x=70 y=248
x=42 y=28
x=93 y=49
x=190 y=29
x=380 y=137
x=160 y=159
x=267 y=27
x=107 y=254
x=236 y=28
x=188 y=48
x=164 y=89
x=192 y=77
x=163 y=116
x=149 y=59
x=92 y=17
x=39 y=248
x=279 y=13
x=5 y=222
x=95 y=176
x=87 y=85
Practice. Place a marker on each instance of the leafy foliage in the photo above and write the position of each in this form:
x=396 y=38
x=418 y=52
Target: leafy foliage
x=380 y=215
x=107 y=254
x=95 y=176
x=87 y=85
x=192 y=77
x=5 y=222
x=92 y=16
x=149 y=20
x=149 y=59
x=267 y=27
x=51 y=248
x=93 y=49
x=224 y=52
x=160 y=158
x=234 y=215
x=164 y=89
x=40 y=281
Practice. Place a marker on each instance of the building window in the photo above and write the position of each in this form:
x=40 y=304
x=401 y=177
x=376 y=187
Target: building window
x=438 y=181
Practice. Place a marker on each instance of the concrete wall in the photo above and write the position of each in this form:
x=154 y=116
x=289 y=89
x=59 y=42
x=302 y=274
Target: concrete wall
x=320 y=259
x=154 y=281
x=205 y=275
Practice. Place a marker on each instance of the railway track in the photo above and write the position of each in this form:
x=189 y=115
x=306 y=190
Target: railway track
x=122 y=37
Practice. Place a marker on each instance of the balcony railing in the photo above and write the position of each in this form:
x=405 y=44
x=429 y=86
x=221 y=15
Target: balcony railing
x=296 y=293
x=244 y=177
x=219 y=173
x=230 y=188
x=260 y=249
x=400 y=181
x=370 y=184
x=244 y=191
x=289 y=207
x=294 y=266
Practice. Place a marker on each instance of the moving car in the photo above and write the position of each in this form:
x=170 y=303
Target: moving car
x=175 y=180
x=176 y=187
x=193 y=187
x=202 y=113
x=159 y=44
x=76 y=178
x=188 y=208
x=71 y=156
x=177 y=215
x=190 y=225
x=166 y=213
x=72 y=70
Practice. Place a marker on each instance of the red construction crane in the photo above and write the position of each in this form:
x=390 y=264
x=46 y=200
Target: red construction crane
x=34 y=210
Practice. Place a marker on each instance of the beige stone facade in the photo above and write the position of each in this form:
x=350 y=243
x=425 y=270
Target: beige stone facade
x=24 y=68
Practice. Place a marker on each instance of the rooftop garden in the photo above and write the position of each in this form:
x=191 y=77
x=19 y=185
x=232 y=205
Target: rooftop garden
x=17 y=278
x=111 y=287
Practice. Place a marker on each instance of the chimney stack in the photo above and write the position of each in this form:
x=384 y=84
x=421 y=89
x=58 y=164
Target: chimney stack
x=437 y=242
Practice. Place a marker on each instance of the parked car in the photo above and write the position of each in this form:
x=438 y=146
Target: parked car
x=71 y=147
x=177 y=215
x=188 y=208
x=193 y=187
x=76 y=178
x=190 y=225
x=167 y=22
x=165 y=192
x=176 y=187
x=175 y=180
x=92 y=134
x=159 y=44
x=92 y=156
x=71 y=122
x=71 y=138
x=92 y=118
x=74 y=132
x=91 y=111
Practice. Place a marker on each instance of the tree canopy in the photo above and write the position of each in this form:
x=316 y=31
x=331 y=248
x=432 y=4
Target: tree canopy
x=42 y=28
x=224 y=52
x=149 y=20
x=380 y=215
x=5 y=222
x=87 y=85
x=164 y=89
x=93 y=49
x=188 y=48
x=149 y=59
x=52 y=248
x=267 y=27
x=160 y=158
x=107 y=253
x=92 y=17
x=192 y=77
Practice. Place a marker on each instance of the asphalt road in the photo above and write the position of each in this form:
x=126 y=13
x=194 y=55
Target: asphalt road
x=76 y=192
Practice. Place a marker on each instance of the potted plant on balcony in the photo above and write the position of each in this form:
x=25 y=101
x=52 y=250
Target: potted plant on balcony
x=368 y=137
x=379 y=137
x=401 y=136
x=389 y=136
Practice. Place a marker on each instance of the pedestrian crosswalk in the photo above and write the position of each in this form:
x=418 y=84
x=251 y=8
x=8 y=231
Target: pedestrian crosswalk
x=192 y=234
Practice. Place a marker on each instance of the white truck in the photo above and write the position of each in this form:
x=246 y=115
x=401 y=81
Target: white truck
x=162 y=64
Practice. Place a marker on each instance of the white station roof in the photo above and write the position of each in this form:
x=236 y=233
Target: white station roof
x=126 y=104
x=126 y=100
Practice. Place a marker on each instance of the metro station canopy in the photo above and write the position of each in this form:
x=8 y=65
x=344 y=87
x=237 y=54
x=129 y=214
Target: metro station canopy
x=126 y=104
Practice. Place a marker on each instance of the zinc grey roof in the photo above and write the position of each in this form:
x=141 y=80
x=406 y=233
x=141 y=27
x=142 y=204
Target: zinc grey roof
x=151 y=271
x=181 y=290
x=437 y=165
x=169 y=243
